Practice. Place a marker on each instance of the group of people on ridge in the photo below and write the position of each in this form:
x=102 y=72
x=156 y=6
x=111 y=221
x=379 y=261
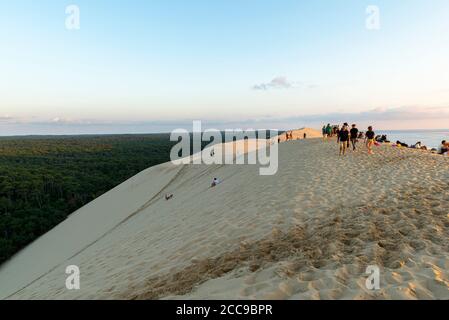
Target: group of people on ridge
x=350 y=136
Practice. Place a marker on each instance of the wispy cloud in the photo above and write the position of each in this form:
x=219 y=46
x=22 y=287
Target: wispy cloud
x=375 y=114
x=398 y=117
x=383 y=114
x=283 y=83
x=68 y=121
x=276 y=83
x=6 y=118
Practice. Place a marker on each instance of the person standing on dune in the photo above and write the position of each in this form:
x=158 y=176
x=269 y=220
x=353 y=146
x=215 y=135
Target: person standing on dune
x=370 y=139
x=343 y=139
x=347 y=127
x=328 y=130
x=354 y=136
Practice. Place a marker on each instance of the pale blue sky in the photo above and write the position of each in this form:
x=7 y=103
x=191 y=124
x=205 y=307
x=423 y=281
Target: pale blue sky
x=163 y=62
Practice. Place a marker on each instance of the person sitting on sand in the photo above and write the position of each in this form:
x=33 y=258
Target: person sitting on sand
x=417 y=145
x=354 y=133
x=402 y=144
x=370 y=139
x=444 y=148
x=381 y=138
x=215 y=182
x=343 y=138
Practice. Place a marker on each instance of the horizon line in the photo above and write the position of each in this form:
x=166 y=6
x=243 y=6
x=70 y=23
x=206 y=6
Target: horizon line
x=168 y=132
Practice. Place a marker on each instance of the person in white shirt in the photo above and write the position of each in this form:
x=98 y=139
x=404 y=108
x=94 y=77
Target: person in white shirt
x=215 y=182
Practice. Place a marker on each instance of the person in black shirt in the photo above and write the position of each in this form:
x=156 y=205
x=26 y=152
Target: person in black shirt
x=370 y=139
x=347 y=126
x=354 y=136
x=444 y=147
x=343 y=139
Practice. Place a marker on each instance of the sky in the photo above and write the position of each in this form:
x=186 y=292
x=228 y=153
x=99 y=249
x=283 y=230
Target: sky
x=156 y=65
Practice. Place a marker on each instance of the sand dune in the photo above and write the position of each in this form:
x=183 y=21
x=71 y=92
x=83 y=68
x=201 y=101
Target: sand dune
x=308 y=232
x=298 y=134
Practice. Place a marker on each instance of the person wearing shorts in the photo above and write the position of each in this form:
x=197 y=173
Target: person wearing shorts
x=343 y=139
x=370 y=139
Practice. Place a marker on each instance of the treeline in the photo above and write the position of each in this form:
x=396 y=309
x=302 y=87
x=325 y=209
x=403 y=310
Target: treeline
x=45 y=179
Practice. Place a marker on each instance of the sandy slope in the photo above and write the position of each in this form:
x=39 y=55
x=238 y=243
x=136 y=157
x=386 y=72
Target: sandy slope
x=306 y=233
x=298 y=134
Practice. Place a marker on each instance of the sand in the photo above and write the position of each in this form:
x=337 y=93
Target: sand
x=308 y=232
x=298 y=134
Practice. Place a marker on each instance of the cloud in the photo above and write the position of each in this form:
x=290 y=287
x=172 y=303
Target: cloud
x=66 y=121
x=404 y=117
x=6 y=118
x=58 y=121
x=276 y=83
x=374 y=114
x=283 y=83
x=393 y=118
x=383 y=114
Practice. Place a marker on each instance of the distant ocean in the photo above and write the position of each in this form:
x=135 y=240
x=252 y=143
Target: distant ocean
x=429 y=138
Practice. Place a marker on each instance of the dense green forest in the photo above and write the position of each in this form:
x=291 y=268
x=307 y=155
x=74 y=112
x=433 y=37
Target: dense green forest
x=44 y=179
